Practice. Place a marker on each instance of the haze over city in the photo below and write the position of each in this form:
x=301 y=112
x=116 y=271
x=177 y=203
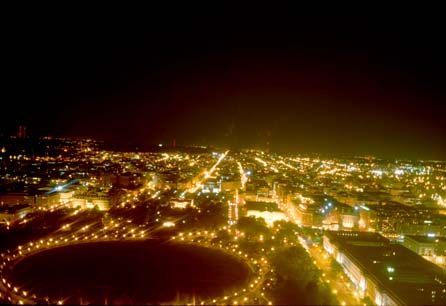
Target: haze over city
x=316 y=84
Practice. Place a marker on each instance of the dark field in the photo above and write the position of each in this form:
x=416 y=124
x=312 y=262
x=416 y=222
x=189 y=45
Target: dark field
x=129 y=272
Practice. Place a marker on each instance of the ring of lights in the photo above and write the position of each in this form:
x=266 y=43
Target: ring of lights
x=14 y=294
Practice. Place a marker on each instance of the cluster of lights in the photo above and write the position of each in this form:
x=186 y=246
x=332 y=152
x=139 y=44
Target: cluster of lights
x=259 y=265
x=119 y=231
x=207 y=174
x=113 y=232
x=116 y=232
x=325 y=260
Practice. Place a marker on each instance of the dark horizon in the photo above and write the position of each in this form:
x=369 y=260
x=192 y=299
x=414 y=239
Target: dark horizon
x=333 y=85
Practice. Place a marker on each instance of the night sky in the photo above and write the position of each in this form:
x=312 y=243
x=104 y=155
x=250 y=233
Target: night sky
x=341 y=85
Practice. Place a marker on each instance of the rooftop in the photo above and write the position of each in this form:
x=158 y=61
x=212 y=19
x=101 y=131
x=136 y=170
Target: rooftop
x=426 y=239
x=408 y=275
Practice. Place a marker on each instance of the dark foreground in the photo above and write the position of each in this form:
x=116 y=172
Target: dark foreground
x=129 y=273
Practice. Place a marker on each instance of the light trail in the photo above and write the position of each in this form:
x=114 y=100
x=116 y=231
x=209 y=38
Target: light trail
x=222 y=156
x=261 y=161
x=208 y=174
x=165 y=157
x=287 y=165
x=243 y=177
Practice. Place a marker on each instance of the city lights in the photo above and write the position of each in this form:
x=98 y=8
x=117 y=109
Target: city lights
x=324 y=209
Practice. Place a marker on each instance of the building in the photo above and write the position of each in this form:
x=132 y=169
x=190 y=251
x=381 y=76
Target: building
x=15 y=198
x=426 y=245
x=211 y=185
x=128 y=180
x=387 y=273
x=432 y=248
x=230 y=186
x=340 y=216
x=91 y=199
x=48 y=200
x=232 y=212
x=11 y=214
x=307 y=215
x=393 y=219
x=181 y=204
x=267 y=211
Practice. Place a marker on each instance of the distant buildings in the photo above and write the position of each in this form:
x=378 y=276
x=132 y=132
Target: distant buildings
x=21 y=133
x=393 y=219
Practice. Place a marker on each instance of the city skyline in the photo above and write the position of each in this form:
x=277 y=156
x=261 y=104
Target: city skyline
x=82 y=224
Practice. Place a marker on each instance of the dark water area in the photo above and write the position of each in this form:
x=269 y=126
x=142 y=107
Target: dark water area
x=140 y=272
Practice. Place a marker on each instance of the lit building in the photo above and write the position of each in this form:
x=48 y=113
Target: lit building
x=91 y=199
x=432 y=248
x=389 y=274
x=426 y=245
x=211 y=185
x=181 y=204
x=14 y=213
x=232 y=212
x=267 y=211
x=268 y=216
x=15 y=198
